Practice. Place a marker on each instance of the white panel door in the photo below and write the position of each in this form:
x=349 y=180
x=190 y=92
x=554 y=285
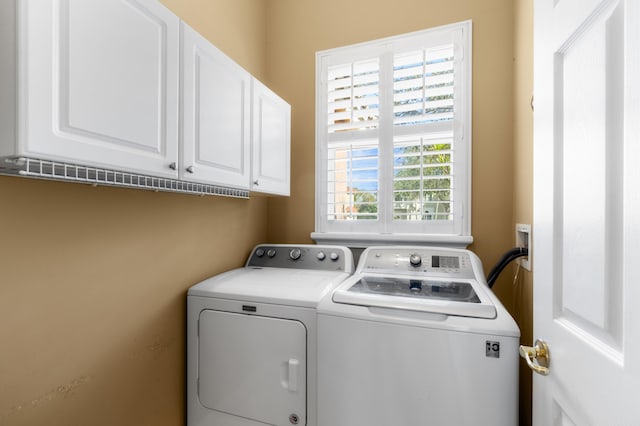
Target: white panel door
x=271 y=141
x=216 y=132
x=99 y=83
x=587 y=211
x=253 y=367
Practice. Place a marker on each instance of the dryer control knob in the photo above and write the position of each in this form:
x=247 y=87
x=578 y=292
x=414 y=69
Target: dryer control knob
x=295 y=254
x=334 y=256
x=260 y=252
x=321 y=255
x=271 y=252
x=415 y=260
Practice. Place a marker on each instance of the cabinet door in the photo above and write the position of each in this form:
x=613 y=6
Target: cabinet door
x=216 y=115
x=271 y=141
x=99 y=83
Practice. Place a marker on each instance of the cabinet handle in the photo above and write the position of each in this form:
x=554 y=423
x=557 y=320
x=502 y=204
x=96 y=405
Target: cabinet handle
x=172 y=166
x=190 y=169
x=255 y=182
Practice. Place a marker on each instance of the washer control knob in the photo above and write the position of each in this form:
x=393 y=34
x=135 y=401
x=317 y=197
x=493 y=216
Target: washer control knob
x=415 y=260
x=271 y=252
x=295 y=254
x=334 y=256
x=321 y=255
x=260 y=252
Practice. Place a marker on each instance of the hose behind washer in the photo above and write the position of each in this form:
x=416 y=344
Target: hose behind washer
x=509 y=256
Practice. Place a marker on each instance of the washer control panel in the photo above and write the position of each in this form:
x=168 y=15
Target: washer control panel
x=417 y=260
x=305 y=256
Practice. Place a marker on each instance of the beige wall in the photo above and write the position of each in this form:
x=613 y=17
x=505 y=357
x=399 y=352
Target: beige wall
x=237 y=27
x=93 y=280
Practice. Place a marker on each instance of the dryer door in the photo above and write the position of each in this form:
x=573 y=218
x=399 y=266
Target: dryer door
x=253 y=367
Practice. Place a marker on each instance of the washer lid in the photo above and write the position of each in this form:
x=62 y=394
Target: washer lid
x=459 y=298
x=296 y=287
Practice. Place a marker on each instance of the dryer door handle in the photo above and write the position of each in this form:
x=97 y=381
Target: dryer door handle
x=294 y=364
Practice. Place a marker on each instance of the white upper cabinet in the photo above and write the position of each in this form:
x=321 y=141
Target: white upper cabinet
x=124 y=85
x=216 y=115
x=98 y=83
x=271 y=142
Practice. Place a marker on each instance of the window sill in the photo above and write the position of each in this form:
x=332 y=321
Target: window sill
x=362 y=240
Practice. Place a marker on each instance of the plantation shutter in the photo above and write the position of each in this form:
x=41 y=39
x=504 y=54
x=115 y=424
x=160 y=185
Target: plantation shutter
x=353 y=92
x=353 y=181
x=393 y=155
x=424 y=91
x=422 y=177
x=352 y=95
x=423 y=86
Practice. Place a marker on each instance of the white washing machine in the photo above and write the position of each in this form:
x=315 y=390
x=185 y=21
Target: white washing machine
x=252 y=337
x=415 y=337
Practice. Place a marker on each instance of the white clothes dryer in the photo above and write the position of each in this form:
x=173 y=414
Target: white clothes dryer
x=415 y=337
x=252 y=337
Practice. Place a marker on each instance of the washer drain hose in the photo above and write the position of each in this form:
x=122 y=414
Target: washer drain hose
x=506 y=258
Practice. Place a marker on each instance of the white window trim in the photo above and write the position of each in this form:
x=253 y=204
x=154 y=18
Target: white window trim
x=363 y=240
x=461 y=235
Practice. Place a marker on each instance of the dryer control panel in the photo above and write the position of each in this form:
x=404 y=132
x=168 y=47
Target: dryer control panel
x=436 y=262
x=302 y=256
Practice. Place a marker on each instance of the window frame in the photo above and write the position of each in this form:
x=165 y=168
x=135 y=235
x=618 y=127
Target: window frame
x=385 y=230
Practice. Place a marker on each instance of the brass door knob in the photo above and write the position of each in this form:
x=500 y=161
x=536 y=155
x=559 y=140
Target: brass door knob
x=539 y=353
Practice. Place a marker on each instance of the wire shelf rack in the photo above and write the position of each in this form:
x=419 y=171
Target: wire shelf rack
x=52 y=170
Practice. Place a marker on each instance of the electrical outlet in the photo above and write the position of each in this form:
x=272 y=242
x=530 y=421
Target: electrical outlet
x=523 y=239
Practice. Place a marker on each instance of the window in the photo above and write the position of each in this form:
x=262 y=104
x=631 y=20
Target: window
x=393 y=142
